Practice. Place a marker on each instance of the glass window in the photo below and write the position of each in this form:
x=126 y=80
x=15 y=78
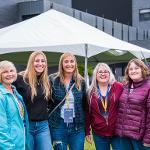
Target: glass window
x=144 y=14
x=25 y=17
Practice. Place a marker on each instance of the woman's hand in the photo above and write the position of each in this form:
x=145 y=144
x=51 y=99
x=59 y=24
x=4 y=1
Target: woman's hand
x=146 y=145
x=89 y=139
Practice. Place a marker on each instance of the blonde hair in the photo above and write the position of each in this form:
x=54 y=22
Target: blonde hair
x=76 y=76
x=30 y=76
x=4 y=65
x=139 y=63
x=94 y=80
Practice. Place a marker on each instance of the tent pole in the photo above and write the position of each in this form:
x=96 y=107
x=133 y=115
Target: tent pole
x=85 y=66
x=145 y=60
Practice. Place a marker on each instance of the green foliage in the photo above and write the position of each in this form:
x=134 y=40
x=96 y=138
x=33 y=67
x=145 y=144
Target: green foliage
x=81 y=70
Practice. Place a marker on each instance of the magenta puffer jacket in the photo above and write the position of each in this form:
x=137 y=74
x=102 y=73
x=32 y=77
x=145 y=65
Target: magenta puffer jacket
x=133 y=118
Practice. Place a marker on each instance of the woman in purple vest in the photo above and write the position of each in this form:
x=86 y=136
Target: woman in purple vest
x=133 y=122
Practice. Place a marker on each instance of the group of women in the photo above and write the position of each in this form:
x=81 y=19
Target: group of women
x=40 y=111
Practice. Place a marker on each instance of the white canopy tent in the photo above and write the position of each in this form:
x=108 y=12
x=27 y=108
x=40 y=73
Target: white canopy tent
x=56 y=32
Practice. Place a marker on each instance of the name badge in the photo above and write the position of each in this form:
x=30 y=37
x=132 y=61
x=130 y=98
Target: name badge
x=68 y=115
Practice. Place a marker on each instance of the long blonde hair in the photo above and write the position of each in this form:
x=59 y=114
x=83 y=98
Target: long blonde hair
x=76 y=76
x=31 y=77
x=94 y=81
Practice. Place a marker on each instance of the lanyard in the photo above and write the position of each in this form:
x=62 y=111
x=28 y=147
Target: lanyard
x=68 y=89
x=104 y=100
x=20 y=106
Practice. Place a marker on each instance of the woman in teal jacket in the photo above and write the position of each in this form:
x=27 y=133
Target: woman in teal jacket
x=13 y=115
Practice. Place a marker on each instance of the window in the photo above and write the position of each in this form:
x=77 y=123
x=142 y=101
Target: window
x=144 y=14
x=25 y=17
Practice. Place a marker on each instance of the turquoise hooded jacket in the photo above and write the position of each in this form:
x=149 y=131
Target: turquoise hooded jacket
x=13 y=130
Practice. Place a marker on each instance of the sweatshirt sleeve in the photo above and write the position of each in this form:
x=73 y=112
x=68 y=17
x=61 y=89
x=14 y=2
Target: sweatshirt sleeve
x=5 y=139
x=146 y=138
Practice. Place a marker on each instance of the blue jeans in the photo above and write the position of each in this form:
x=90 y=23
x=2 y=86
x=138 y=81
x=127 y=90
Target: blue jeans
x=40 y=135
x=103 y=143
x=131 y=144
x=64 y=136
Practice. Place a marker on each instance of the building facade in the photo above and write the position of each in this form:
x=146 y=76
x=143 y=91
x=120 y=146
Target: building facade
x=119 y=30
x=141 y=14
x=13 y=11
x=129 y=12
x=116 y=10
x=9 y=12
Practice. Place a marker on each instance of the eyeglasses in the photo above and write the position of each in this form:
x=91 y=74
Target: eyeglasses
x=103 y=72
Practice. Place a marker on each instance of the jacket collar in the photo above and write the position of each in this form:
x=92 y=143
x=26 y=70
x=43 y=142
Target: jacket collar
x=137 y=84
x=3 y=90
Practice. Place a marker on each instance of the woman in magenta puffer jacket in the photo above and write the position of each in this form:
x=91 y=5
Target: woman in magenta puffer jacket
x=133 y=122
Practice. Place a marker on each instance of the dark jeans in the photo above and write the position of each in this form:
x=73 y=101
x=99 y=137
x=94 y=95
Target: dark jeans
x=105 y=143
x=64 y=136
x=131 y=144
x=40 y=135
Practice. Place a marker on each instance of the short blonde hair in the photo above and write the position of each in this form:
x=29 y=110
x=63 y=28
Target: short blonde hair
x=3 y=67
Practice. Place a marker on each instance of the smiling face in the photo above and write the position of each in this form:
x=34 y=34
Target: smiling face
x=102 y=75
x=68 y=65
x=39 y=64
x=8 y=76
x=135 y=72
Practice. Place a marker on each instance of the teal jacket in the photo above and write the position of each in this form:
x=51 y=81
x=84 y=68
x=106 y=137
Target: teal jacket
x=13 y=130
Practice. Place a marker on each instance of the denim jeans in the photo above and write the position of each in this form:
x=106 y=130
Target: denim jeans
x=67 y=135
x=131 y=144
x=105 y=143
x=40 y=135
